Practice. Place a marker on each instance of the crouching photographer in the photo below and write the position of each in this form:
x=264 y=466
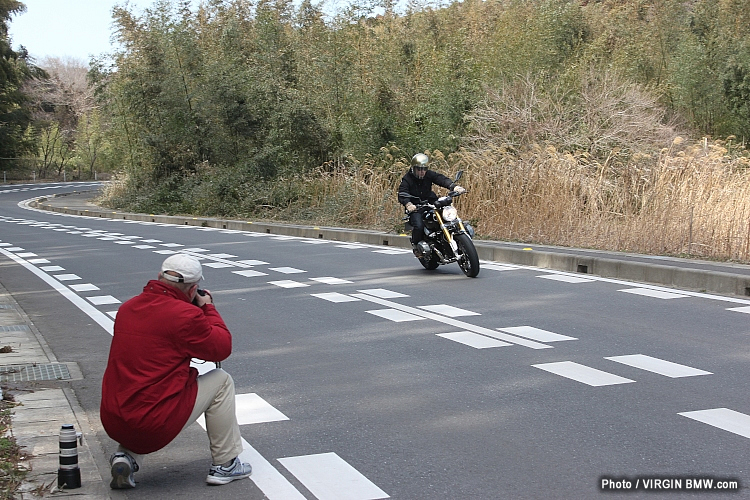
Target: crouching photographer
x=150 y=393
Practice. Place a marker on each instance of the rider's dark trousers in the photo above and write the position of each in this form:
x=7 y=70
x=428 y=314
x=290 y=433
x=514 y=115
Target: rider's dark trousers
x=417 y=224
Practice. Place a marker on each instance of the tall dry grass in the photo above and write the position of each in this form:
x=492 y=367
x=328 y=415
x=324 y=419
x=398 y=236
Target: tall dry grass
x=599 y=167
x=591 y=162
x=690 y=200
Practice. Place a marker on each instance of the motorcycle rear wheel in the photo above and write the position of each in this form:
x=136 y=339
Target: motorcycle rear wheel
x=469 y=260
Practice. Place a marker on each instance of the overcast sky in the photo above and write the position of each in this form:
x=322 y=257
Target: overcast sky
x=74 y=28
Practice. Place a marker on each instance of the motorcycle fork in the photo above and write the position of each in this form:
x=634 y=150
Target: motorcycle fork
x=447 y=233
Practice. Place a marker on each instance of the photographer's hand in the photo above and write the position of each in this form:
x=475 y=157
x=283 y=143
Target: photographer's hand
x=203 y=298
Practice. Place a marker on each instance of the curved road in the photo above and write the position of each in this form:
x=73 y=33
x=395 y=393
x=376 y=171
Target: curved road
x=361 y=376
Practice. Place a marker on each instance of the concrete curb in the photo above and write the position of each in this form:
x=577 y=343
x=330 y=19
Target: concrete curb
x=41 y=410
x=678 y=276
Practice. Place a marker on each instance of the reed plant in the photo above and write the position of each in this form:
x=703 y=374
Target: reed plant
x=594 y=163
x=691 y=199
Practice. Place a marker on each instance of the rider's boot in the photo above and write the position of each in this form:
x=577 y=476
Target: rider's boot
x=416 y=250
x=424 y=248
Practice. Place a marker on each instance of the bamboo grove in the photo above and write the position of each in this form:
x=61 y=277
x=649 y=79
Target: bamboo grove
x=572 y=119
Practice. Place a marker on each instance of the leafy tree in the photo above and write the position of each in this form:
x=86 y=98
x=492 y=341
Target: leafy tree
x=15 y=69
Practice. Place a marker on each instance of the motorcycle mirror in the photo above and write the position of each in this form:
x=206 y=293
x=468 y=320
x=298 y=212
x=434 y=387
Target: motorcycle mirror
x=459 y=174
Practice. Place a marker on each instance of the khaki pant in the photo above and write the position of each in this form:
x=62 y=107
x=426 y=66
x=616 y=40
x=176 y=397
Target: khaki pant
x=216 y=399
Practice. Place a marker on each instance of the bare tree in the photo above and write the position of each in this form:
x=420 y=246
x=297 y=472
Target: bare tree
x=63 y=104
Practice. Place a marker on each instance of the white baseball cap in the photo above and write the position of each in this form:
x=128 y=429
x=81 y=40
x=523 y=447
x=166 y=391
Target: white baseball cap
x=186 y=266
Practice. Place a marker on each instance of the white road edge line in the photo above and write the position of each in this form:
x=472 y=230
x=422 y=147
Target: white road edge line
x=102 y=319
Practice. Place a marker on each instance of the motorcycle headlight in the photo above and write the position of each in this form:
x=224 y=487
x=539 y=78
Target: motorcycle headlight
x=449 y=214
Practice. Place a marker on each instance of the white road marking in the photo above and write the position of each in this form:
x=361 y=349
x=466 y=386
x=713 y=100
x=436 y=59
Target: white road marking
x=567 y=278
x=473 y=340
x=248 y=273
x=84 y=287
x=218 y=265
x=100 y=300
x=392 y=252
x=252 y=409
x=265 y=476
x=287 y=270
x=532 y=333
x=143 y=247
x=583 y=373
x=453 y=322
x=745 y=309
x=383 y=293
x=67 y=277
x=659 y=294
x=446 y=310
x=723 y=418
x=221 y=255
x=329 y=477
x=395 y=315
x=660 y=366
x=51 y=269
x=498 y=267
x=328 y=280
x=63 y=290
x=252 y=262
x=288 y=284
x=335 y=297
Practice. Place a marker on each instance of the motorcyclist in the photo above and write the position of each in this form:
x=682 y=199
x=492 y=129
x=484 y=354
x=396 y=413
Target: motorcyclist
x=416 y=186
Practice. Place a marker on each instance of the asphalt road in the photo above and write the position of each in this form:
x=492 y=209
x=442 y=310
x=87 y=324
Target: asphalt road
x=357 y=380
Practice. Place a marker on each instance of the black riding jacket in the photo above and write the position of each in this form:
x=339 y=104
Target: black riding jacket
x=421 y=188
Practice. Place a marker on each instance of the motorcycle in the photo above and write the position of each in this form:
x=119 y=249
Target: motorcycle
x=449 y=239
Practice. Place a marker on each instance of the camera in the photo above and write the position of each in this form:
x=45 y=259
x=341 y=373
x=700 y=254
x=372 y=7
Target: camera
x=202 y=293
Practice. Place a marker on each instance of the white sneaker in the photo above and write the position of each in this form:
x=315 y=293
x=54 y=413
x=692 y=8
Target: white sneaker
x=223 y=475
x=123 y=467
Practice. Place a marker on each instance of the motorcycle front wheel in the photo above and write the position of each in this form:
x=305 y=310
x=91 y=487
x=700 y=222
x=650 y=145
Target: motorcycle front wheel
x=469 y=260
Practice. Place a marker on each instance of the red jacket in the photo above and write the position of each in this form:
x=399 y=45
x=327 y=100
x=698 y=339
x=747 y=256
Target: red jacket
x=149 y=388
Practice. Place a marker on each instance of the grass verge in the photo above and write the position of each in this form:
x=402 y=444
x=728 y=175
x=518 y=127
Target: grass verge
x=11 y=455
